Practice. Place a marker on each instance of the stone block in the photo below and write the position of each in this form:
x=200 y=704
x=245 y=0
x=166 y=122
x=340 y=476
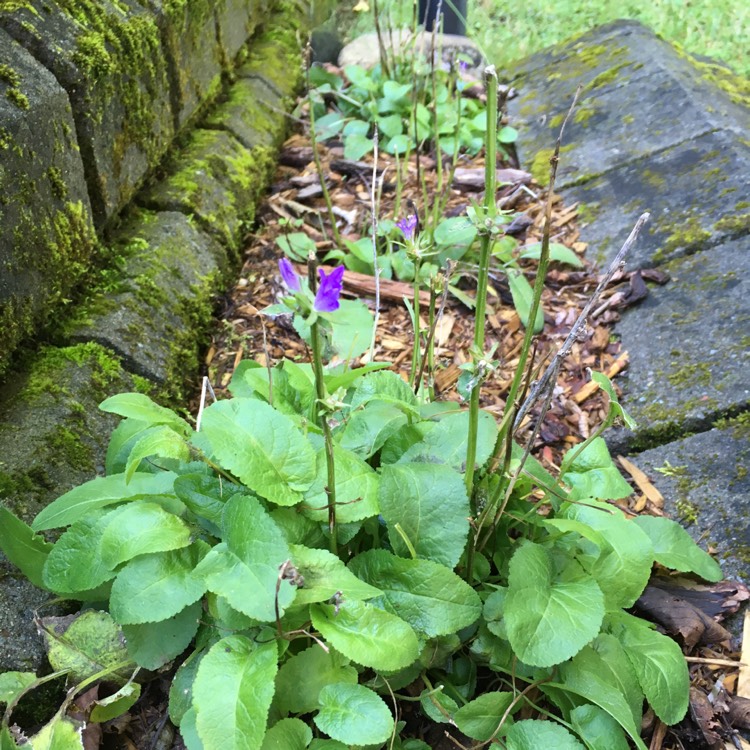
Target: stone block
x=195 y=56
x=108 y=57
x=46 y=230
x=154 y=315
x=706 y=486
x=689 y=347
x=218 y=181
x=54 y=438
x=236 y=21
x=276 y=60
x=697 y=194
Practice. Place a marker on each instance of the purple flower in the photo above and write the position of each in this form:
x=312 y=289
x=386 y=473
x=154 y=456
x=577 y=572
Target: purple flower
x=463 y=66
x=289 y=275
x=329 y=291
x=408 y=226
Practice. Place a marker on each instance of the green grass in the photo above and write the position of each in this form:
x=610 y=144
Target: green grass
x=509 y=31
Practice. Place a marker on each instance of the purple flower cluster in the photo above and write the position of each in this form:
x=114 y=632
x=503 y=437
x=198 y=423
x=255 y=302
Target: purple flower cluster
x=408 y=226
x=329 y=289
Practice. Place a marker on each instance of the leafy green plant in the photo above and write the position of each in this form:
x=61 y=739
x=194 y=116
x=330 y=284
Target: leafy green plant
x=329 y=542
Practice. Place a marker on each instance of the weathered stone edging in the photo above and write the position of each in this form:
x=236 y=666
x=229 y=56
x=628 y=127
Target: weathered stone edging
x=140 y=326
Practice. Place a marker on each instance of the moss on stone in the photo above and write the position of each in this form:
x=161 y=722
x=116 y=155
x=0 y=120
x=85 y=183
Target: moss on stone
x=738 y=224
x=688 y=235
x=698 y=373
x=13 y=93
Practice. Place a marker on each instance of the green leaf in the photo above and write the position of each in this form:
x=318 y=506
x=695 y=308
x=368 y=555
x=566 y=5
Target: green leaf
x=262 y=447
x=446 y=443
x=455 y=232
x=549 y=618
x=597 y=728
x=368 y=428
x=12 y=684
x=325 y=574
x=98 y=493
x=116 y=704
x=480 y=718
x=589 y=676
x=430 y=504
x=614 y=405
x=356 y=489
x=157 y=586
x=353 y=714
x=438 y=706
x=352 y=328
x=61 y=733
x=367 y=635
x=297 y=246
x=360 y=77
x=399 y=144
x=74 y=564
x=427 y=595
x=327 y=745
x=531 y=734
x=523 y=296
x=154 y=644
x=616 y=669
x=25 y=549
x=674 y=548
x=157 y=441
x=385 y=386
x=138 y=528
x=356 y=146
x=189 y=732
x=391 y=126
x=329 y=125
x=85 y=644
x=358 y=127
x=8 y=743
x=622 y=564
x=557 y=252
x=205 y=495
x=233 y=691
x=302 y=677
x=141 y=407
x=659 y=665
x=181 y=689
x=593 y=474
x=507 y=134
x=287 y=734
x=121 y=441
x=245 y=568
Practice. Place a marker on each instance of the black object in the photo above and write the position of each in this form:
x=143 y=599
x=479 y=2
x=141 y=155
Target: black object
x=452 y=11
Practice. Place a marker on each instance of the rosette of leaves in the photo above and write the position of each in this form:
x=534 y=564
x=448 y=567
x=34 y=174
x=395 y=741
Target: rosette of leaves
x=212 y=547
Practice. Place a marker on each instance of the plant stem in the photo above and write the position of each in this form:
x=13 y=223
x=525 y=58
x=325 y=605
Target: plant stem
x=320 y=390
x=490 y=188
x=416 y=352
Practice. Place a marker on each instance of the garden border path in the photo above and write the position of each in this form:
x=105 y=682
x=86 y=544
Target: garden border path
x=656 y=130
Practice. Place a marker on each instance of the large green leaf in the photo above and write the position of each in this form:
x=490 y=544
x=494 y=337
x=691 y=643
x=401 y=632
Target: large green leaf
x=557 y=251
x=12 y=684
x=116 y=704
x=427 y=595
x=480 y=718
x=287 y=734
x=353 y=714
x=352 y=328
x=141 y=407
x=446 y=443
x=157 y=586
x=430 y=505
x=139 y=528
x=85 y=644
x=232 y=693
x=245 y=568
x=324 y=575
x=615 y=407
x=385 y=386
x=153 y=644
x=157 y=441
x=74 y=564
x=368 y=428
x=356 y=489
x=98 y=493
x=262 y=447
x=622 y=564
x=61 y=733
x=25 y=549
x=658 y=663
x=523 y=296
x=549 y=617
x=205 y=496
x=121 y=442
x=532 y=734
x=181 y=689
x=367 y=635
x=597 y=728
x=616 y=669
x=302 y=677
x=592 y=474
x=674 y=548
x=589 y=676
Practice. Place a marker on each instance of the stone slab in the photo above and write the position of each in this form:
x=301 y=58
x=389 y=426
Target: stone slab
x=54 y=438
x=275 y=60
x=689 y=347
x=153 y=316
x=217 y=180
x=697 y=194
x=705 y=481
x=236 y=21
x=195 y=56
x=46 y=230
x=108 y=56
